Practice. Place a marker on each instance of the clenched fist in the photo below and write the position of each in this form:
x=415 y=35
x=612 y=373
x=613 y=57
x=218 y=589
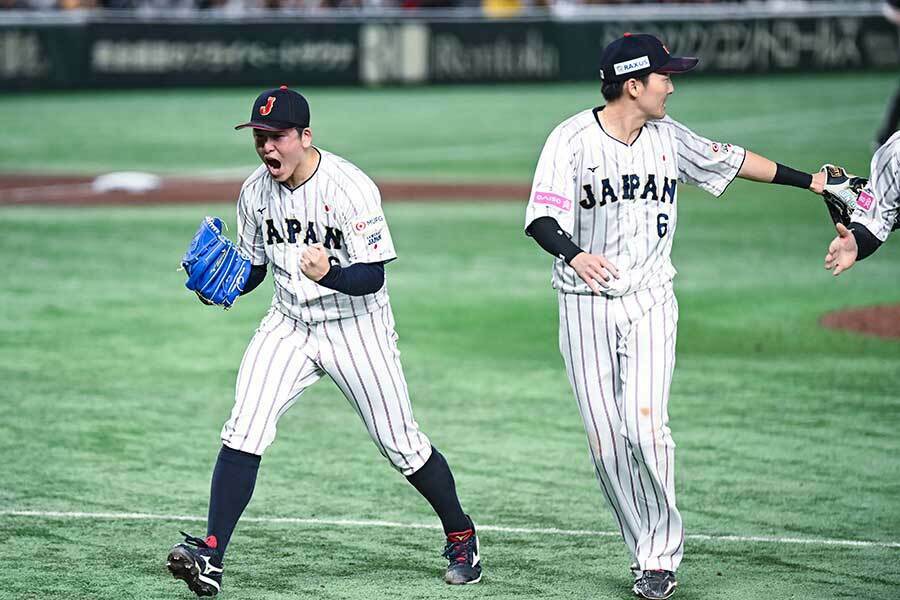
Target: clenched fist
x=314 y=262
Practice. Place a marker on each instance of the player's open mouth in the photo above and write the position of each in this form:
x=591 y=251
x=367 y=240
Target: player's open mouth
x=273 y=163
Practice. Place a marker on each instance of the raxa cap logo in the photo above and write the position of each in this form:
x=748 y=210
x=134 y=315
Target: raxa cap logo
x=632 y=65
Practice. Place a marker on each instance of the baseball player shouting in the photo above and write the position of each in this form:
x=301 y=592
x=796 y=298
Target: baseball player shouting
x=877 y=211
x=604 y=204
x=317 y=220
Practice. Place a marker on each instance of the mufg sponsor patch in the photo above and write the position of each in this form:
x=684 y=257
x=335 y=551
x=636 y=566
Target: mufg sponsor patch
x=369 y=224
x=635 y=64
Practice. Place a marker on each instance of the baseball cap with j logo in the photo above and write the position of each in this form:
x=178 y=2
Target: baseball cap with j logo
x=278 y=109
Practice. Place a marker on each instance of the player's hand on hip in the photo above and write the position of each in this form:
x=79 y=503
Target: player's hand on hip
x=595 y=270
x=314 y=262
x=842 y=251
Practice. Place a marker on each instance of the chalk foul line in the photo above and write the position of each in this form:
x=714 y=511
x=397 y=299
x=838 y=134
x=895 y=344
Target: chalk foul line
x=759 y=539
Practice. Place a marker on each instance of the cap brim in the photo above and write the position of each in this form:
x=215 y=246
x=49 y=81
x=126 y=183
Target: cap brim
x=679 y=64
x=267 y=126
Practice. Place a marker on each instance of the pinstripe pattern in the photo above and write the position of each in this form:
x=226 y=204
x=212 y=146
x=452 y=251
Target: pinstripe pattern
x=620 y=201
x=286 y=356
x=312 y=331
x=593 y=384
x=338 y=197
x=620 y=355
x=884 y=187
x=625 y=229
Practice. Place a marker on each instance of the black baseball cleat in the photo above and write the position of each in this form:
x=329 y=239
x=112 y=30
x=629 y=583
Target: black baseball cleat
x=465 y=562
x=655 y=585
x=198 y=563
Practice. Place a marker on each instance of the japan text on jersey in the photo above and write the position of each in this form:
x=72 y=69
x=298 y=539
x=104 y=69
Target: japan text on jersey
x=339 y=207
x=620 y=200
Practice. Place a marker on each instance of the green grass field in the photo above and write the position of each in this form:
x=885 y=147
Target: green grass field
x=116 y=381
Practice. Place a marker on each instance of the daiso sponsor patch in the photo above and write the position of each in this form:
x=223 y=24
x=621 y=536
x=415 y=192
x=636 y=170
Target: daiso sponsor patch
x=553 y=200
x=864 y=200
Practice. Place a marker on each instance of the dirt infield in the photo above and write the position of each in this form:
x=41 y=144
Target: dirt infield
x=78 y=191
x=880 y=321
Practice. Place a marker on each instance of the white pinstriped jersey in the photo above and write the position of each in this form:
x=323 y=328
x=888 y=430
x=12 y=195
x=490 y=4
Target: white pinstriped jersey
x=879 y=202
x=340 y=207
x=620 y=200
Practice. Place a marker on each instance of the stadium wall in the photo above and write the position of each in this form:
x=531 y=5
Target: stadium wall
x=108 y=52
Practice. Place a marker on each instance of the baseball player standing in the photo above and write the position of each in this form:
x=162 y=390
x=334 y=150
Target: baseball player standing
x=877 y=211
x=317 y=220
x=604 y=204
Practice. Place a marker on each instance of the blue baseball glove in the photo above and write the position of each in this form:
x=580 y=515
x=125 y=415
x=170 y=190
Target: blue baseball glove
x=216 y=271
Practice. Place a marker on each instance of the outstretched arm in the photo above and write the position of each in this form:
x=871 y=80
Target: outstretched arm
x=760 y=168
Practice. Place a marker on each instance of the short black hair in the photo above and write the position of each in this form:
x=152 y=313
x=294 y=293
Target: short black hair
x=613 y=90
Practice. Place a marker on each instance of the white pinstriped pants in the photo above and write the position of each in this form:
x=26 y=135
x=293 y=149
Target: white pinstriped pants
x=620 y=354
x=359 y=353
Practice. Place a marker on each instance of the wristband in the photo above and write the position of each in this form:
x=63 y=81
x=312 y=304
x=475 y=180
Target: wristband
x=788 y=176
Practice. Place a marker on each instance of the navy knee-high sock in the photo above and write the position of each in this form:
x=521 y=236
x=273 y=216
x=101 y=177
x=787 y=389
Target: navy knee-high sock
x=233 y=480
x=435 y=481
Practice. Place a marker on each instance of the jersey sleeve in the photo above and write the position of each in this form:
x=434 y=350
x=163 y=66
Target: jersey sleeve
x=367 y=235
x=249 y=231
x=878 y=203
x=709 y=165
x=553 y=188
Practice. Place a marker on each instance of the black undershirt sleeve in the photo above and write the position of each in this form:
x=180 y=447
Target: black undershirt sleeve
x=256 y=276
x=785 y=175
x=357 y=279
x=866 y=242
x=547 y=232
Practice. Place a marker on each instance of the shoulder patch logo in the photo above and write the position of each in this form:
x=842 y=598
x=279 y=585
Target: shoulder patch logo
x=552 y=200
x=864 y=200
x=265 y=110
x=369 y=224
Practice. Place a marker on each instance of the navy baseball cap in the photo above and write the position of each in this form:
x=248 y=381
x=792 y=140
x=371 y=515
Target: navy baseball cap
x=636 y=55
x=278 y=109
